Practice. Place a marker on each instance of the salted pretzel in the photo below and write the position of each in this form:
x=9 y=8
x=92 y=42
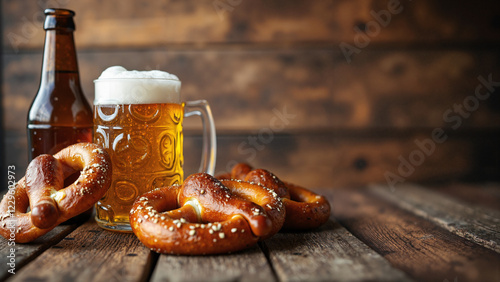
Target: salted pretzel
x=304 y=208
x=206 y=216
x=41 y=190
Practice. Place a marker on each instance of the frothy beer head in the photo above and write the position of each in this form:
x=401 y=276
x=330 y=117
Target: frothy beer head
x=116 y=85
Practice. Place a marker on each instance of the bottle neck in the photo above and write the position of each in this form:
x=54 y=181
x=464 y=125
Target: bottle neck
x=59 y=57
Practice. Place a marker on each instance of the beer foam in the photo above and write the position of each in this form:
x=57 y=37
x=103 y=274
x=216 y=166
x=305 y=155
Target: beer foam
x=117 y=85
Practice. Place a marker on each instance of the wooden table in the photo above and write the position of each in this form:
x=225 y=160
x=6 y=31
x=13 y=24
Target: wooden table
x=447 y=233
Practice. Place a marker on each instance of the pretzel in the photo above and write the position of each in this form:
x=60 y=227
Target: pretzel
x=206 y=216
x=41 y=189
x=304 y=209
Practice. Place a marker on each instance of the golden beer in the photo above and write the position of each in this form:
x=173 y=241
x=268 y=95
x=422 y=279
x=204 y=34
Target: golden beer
x=145 y=145
x=138 y=120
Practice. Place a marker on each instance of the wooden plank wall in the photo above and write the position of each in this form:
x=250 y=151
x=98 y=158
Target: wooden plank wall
x=3 y=177
x=284 y=94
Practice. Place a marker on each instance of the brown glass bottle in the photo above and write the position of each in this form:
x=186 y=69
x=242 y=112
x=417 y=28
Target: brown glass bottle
x=59 y=115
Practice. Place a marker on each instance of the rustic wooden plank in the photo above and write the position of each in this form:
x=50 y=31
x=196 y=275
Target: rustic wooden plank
x=336 y=160
x=131 y=23
x=247 y=265
x=91 y=254
x=289 y=90
x=316 y=159
x=475 y=223
x=24 y=253
x=420 y=248
x=329 y=253
x=485 y=194
x=3 y=178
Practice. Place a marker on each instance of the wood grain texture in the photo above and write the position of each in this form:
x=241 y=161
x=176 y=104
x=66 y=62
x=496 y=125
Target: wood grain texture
x=423 y=250
x=290 y=90
x=91 y=254
x=248 y=265
x=338 y=159
x=329 y=253
x=477 y=224
x=25 y=253
x=130 y=23
x=265 y=61
x=317 y=159
x=479 y=194
x=3 y=178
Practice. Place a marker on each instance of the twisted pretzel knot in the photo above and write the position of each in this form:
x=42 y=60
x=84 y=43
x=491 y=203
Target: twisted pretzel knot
x=42 y=191
x=206 y=216
x=304 y=208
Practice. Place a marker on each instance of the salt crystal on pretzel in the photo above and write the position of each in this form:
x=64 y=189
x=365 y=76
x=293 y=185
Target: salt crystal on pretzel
x=42 y=191
x=206 y=216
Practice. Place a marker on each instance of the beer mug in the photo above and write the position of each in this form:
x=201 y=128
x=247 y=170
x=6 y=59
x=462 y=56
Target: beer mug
x=138 y=120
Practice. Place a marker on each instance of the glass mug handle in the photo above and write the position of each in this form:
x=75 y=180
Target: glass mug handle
x=209 y=152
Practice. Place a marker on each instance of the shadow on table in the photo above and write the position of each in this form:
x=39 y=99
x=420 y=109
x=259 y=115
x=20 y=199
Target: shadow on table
x=295 y=241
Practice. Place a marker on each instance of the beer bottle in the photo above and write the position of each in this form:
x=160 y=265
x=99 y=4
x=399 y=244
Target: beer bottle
x=59 y=114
